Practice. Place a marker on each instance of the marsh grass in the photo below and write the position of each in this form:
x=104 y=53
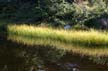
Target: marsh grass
x=89 y=43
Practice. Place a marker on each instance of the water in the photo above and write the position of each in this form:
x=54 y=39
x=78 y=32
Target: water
x=11 y=61
x=76 y=64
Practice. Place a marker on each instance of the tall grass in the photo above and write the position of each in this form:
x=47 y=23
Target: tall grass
x=92 y=43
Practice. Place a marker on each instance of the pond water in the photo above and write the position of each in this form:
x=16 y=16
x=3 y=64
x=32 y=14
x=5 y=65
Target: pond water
x=81 y=64
x=69 y=62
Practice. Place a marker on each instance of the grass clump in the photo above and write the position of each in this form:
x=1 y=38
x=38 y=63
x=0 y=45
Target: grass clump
x=92 y=43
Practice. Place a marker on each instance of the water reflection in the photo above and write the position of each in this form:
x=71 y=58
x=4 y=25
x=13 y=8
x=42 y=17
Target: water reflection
x=16 y=58
x=76 y=63
x=69 y=66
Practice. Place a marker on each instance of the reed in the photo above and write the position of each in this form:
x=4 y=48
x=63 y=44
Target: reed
x=90 y=43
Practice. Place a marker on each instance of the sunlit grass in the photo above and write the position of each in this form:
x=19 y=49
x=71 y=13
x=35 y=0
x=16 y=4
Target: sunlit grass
x=92 y=43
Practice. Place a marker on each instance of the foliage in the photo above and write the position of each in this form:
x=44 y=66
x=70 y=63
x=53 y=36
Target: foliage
x=84 y=12
x=80 y=27
x=57 y=12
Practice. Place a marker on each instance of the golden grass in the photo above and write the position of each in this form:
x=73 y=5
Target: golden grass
x=90 y=43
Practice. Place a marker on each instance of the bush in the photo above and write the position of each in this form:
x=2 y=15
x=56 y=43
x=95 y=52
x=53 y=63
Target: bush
x=89 y=15
x=60 y=12
x=80 y=27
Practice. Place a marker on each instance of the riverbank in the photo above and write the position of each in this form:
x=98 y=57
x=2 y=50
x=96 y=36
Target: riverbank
x=85 y=43
x=84 y=38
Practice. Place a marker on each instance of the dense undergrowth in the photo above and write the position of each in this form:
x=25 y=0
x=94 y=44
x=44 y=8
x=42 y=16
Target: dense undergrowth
x=55 y=12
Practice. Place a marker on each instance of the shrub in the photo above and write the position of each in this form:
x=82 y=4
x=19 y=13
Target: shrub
x=80 y=27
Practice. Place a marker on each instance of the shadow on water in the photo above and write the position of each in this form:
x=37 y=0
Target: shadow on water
x=18 y=57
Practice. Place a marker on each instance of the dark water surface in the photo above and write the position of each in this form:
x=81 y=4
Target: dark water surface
x=82 y=64
x=13 y=63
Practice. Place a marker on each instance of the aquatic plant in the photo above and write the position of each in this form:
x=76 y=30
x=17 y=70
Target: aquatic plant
x=92 y=43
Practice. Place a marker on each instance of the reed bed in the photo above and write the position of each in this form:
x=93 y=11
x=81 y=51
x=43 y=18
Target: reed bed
x=89 y=43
